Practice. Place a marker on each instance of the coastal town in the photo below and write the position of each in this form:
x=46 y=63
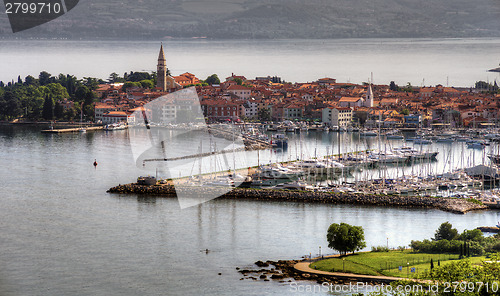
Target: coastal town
x=393 y=156
x=266 y=108
x=329 y=102
x=265 y=111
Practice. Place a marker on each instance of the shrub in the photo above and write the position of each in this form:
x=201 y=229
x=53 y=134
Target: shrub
x=380 y=249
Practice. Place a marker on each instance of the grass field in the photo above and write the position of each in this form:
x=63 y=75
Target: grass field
x=393 y=263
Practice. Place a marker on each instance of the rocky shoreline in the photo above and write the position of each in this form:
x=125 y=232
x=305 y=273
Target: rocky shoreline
x=284 y=271
x=459 y=206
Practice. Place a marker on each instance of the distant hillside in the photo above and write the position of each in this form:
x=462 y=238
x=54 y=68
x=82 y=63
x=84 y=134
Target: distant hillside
x=247 y=19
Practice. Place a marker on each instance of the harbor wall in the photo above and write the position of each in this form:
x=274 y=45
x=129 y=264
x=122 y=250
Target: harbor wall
x=459 y=206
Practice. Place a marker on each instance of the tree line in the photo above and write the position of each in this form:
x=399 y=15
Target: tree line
x=65 y=97
x=448 y=240
x=44 y=98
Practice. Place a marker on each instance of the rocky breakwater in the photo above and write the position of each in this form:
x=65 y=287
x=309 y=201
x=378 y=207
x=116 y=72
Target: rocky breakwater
x=283 y=271
x=454 y=205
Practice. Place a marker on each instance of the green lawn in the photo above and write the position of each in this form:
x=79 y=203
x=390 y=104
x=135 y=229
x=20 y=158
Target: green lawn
x=387 y=263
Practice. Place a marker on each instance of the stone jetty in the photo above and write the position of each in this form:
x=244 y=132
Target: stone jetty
x=454 y=205
x=491 y=229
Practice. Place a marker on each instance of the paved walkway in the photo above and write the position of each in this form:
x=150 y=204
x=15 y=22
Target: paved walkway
x=304 y=268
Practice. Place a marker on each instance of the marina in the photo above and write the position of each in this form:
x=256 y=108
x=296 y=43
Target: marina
x=81 y=230
x=366 y=165
x=62 y=234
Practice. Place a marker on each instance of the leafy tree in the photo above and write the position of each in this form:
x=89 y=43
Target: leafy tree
x=472 y=235
x=445 y=231
x=113 y=78
x=130 y=84
x=48 y=108
x=82 y=93
x=19 y=80
x=30 y=80
x=147 y=83
x=465 y=271
x=138 y=76
x=69 y=82
x=239 y=81
x=70 y=114
x=10 y=106
x=154 y=77
x=393 y=86
x=44 y=78
x=58 y=110
x=58 y=91
x=212 y=79
x=345 y=238
x=91 y=83
x=408 y=88
x=405 y=111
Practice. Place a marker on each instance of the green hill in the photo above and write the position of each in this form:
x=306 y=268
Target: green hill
x=247 y=19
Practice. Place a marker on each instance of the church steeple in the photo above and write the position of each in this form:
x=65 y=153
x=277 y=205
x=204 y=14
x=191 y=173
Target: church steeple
x=161 y=71
x=369 y=97
x=161 y=56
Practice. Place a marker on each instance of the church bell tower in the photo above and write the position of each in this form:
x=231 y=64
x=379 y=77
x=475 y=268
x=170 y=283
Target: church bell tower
x=161 y=71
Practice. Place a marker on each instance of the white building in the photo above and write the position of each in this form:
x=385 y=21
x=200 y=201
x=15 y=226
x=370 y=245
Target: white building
x=369 y=98
x=168 y=113
x=101 y=109
x=351 y=102
x=240 y=91
x=340 y=116
x=251 y=109
x=117 y=116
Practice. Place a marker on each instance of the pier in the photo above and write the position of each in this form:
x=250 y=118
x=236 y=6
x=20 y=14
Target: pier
x=71 y=130
x=250 y=142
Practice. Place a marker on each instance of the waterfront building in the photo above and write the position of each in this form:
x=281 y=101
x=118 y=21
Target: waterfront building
x=337 y=116
x=117 y=116
x=219 y=110
x=412 y=120
x=101 y=109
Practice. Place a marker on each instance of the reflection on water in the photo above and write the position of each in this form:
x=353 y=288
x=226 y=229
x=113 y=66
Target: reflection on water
x=461 y=62
x=62 y=234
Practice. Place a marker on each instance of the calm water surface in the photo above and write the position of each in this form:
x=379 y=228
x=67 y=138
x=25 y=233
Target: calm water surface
x=62 y=234
x=454 y=62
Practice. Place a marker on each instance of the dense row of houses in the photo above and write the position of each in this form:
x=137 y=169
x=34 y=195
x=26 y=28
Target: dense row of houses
x=326 y=100
x=335 y=104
